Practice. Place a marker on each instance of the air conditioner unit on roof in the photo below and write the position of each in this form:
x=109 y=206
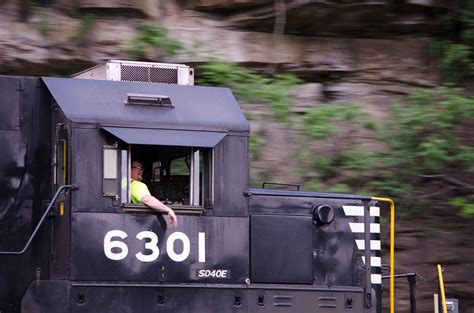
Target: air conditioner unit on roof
x=148 y=72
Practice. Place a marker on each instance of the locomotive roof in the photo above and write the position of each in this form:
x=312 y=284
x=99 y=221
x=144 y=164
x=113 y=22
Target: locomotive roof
x=103 y=102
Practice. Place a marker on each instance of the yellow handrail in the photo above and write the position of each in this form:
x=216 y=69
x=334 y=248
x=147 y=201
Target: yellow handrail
x=441 y=289
x=392 y=250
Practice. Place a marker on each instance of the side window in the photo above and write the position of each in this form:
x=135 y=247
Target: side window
x=180 y=177
x=110 y=178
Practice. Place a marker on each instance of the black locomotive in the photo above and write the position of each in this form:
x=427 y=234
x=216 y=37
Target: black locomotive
x=71 y=241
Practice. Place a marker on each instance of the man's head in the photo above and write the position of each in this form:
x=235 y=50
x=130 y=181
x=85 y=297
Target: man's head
x=137 y=170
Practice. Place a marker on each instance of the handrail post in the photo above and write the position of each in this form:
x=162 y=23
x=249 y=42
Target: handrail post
x=412 y=287
x=46 y=212
x=441 y=288
x=411 y=277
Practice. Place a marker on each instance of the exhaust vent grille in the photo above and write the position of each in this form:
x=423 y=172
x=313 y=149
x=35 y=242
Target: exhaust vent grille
x=149 y=74
x=144 y=72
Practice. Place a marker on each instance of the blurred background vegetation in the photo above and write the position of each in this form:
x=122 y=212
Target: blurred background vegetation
x=426 y=139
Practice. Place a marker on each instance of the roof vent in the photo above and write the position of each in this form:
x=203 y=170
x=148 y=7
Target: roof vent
x=147 y=72
x=144 y=99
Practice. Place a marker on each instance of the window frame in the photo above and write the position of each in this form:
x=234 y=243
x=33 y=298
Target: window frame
x=110 y=185
x=198 y=203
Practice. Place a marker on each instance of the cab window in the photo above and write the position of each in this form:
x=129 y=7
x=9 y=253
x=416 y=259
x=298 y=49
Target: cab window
x=180 y=177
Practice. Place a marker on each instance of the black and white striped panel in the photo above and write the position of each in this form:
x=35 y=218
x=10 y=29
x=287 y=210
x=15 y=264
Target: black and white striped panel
x=375 y=244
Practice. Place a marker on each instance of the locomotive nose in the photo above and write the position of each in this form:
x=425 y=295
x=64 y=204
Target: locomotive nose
x=323 y=214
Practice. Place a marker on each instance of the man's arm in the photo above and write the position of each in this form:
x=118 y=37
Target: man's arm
x=157 y=205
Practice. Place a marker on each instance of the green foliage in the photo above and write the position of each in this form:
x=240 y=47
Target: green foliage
x=340 y=188
x=85 y=28
x=456 y=62
x=322 y=121
x=424 y=139
x=152 y=37
x=250 y=86
x=456 y=49
x=313 y=185
x=325 y=166
x=44 y=25
x=370 y=124
x=357 y=160
x=256 y=143
x=422 y=136
x=72 y=9
x=427 y=135
x=353 y=159
x=465 y=204
x=343 y=162
x=391 y=184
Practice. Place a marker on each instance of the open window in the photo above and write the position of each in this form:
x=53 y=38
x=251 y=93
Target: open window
x=180 y=177
x=178 y=165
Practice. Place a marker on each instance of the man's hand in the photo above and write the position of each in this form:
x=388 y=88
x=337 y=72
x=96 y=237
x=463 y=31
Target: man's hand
x=173 y=218
x=157 y=205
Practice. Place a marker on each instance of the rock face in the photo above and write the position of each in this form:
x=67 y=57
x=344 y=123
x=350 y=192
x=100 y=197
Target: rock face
x=382 y=18
x=369 y=52
x=51 y=38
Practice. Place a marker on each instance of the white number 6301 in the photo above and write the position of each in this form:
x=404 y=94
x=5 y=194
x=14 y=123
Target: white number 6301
x=152 y=245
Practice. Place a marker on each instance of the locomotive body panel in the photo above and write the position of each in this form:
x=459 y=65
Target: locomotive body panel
x=235 y=249
x=25 y=185
x=140 y=247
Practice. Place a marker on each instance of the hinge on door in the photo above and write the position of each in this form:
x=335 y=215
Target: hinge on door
x=368 y=300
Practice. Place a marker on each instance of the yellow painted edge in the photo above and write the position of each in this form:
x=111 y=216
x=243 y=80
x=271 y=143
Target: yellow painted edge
x=61 y=208
x=392 y=250
x=441 y=289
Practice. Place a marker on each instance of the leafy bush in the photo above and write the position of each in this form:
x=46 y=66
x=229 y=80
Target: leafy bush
x=422 y=134
x=425 y=144
x=357 y=160
x=466 y=205
x=339 y=160
x=85 y=28
x=321 y=121
x=255 y=144
x=456 y=62
x=250 y=86
x=427 y=138
x=457 y=43
x=340 y=188
x=152 y=38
